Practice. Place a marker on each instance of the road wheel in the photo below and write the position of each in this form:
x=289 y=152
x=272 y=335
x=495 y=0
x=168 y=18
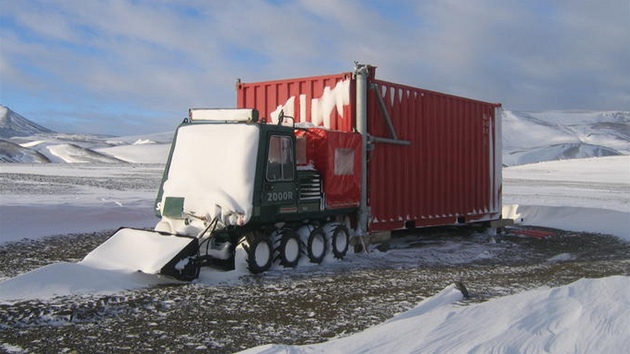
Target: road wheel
x=316 y=245
x=289 y=250
x=259 y=253
x=340 y=241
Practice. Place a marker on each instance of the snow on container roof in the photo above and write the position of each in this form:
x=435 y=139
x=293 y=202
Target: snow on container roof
x=325 y=101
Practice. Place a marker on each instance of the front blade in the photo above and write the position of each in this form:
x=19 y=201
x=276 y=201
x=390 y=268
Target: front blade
x=140 y=250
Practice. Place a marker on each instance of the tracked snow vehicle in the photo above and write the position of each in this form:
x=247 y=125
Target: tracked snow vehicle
x=233 y=180
x=302 y=165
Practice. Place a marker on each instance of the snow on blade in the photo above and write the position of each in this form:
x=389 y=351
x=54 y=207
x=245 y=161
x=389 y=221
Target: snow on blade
x=136 y=250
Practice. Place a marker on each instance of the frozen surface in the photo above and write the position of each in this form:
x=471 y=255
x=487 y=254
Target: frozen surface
x=584 y=195
x=39 y=200
x=588 y=316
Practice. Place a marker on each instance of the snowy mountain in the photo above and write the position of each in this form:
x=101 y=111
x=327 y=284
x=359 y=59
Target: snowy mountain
x=88 y=148
x=23 y=141
x=13 y=124
x=528 y=137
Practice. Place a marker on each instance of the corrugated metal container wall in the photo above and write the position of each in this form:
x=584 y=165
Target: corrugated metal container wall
x=447 y=174
x=321 y=100
x=451 y=171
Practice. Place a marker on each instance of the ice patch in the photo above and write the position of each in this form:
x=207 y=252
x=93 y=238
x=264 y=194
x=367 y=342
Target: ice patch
x=562 y=257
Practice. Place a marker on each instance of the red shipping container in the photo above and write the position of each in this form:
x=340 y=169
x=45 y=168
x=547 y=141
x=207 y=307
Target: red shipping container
x=450 y=171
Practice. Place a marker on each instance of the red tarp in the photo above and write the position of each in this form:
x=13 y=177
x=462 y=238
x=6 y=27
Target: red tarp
x=337 y=156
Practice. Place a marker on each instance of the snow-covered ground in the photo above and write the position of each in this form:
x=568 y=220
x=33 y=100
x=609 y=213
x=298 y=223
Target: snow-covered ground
x=582 y=194
x=588 y=316
x=39 y=200
x=587 y=194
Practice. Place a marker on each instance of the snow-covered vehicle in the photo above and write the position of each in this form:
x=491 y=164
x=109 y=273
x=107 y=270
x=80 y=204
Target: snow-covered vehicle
x=303 y=165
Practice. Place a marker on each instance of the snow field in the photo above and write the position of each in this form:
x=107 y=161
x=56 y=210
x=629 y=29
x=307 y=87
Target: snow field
x=38 y=200
x=579 y=195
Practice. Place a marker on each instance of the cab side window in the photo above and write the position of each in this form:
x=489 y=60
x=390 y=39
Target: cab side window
x=280 y=161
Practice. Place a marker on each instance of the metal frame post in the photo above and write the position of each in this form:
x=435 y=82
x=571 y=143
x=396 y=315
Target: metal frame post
x=361 y=72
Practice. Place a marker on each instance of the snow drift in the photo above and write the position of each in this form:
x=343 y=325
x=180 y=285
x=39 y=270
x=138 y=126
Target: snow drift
x=590 y=195
x=73 y=153
x=588 y=316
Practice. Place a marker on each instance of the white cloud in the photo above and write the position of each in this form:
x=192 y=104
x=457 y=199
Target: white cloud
x=167 y=56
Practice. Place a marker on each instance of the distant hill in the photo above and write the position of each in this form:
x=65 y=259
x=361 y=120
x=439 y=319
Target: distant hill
x=13 y=124
x=11 y=152
x=22 y=141
x=536 y=136
x=528 y=137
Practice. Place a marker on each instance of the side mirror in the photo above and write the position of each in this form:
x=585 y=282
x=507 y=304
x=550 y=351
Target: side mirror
x=281 y=117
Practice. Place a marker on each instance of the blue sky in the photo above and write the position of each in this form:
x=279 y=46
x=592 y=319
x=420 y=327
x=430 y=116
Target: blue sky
x=133 y=66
